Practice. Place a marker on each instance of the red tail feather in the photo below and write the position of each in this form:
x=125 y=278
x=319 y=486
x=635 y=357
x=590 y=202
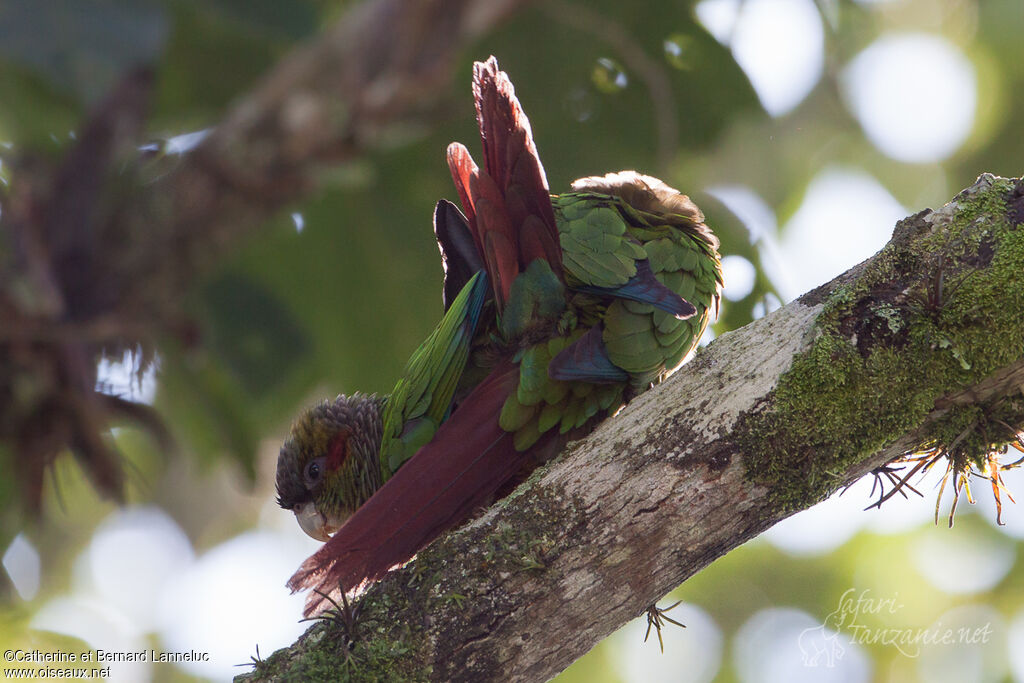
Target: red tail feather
x=510 y=157
x=507 y=202
x=469 y=459
x=464 y=169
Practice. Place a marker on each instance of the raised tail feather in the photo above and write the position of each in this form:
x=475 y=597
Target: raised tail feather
x=507 y=202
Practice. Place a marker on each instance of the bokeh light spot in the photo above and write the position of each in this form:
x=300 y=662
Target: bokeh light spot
x=608 y=76
x=739 y=275
x=133 y=554
x=779 y=44
x=1015 y=646
x=679 y=51
x=186 y=142
x=211 y=606
x=122 y=378
x=759 y=220
x=846 y=216
x=914 y=95
x=822 y=528
x=21 y=560
x=969 y=645
x=579 y=102
x=718 y=17
x=785 y=644
x=102 y=626
x=964 y=562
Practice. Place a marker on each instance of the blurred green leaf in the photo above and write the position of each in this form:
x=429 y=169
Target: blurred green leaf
x=254 y=334
x=291 y=20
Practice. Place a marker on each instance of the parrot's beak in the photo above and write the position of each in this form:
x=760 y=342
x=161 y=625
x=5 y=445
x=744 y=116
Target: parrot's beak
x=314 y=523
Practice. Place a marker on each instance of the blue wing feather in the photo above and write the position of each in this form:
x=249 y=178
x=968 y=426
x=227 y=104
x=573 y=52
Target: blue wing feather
x=645 y=288
x=586 y=360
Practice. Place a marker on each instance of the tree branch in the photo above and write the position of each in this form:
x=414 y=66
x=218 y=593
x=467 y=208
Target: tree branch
x=920 y=347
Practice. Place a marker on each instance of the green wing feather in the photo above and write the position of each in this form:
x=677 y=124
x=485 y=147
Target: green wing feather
x=608 y=227
x=422 y=398
x=540 y=404
x=596 y=249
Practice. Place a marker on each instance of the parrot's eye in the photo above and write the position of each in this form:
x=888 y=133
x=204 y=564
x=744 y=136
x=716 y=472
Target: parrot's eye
x=314 y=470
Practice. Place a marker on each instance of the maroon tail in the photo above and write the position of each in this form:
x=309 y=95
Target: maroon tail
x=508 y=203
x=459 y=471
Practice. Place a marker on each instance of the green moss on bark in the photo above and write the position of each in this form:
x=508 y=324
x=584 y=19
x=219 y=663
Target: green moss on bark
x=374 y=647
x=381 y=648
x=940 y=308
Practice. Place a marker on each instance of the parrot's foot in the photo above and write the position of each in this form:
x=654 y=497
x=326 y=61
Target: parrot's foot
x=656 y=618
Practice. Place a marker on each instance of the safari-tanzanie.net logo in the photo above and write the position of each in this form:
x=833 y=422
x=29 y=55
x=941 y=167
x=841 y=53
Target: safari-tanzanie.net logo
x=857 y=619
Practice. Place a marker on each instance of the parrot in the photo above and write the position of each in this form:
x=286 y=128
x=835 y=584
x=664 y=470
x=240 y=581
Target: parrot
x=558 y=310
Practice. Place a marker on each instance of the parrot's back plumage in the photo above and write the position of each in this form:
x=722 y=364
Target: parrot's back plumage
x=595 y=295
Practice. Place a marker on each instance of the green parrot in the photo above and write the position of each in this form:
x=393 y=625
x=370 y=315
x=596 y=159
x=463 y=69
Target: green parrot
x=566 y=307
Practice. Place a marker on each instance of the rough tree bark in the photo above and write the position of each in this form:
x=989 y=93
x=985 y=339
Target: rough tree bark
x=918 y=349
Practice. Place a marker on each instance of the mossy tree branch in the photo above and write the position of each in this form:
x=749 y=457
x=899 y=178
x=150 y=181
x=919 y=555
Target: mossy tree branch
x=920 y=347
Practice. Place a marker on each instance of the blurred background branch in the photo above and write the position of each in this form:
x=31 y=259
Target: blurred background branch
x=103 y=244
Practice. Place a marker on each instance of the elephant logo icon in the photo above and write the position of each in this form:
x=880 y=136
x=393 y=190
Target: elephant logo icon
x=819 y=645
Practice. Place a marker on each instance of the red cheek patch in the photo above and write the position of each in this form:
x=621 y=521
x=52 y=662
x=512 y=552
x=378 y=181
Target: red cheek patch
x=337 y=451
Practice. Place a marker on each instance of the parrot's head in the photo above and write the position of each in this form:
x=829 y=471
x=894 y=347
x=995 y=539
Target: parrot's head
x=329 y=464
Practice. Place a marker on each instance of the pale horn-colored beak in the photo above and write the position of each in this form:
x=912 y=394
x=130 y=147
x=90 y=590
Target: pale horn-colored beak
x=314 y=523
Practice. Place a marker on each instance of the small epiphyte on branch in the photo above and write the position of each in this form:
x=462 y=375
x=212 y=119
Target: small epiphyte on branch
x=972 y=453
x=656 y=618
